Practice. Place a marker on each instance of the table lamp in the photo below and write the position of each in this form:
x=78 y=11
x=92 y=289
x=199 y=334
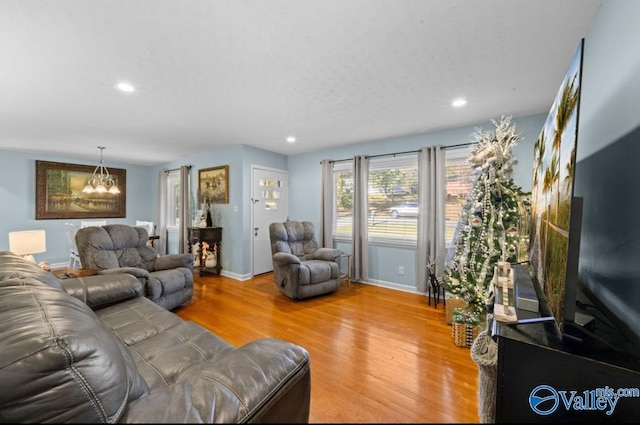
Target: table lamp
x=27 y=243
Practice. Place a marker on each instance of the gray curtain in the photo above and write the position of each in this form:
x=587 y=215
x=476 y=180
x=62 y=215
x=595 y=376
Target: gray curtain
x=431 y=198
x=360 y=233
x=162 y=212
x=326 y=221
x=185 y=208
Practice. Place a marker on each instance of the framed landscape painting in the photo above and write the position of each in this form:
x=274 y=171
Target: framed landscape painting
x=59 y=193
x=213 y=185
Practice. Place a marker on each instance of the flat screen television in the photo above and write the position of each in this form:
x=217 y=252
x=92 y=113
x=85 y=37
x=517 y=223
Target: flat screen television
x=584 y=247
x=555 y=214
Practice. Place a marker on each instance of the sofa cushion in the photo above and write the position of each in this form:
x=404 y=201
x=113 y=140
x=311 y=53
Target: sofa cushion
x=162 y=344
x=169 y=281
x=102 y=290
x=112 y=246
x=317 y=271
x=294 y=237
x=60 y=362
x=196 y=376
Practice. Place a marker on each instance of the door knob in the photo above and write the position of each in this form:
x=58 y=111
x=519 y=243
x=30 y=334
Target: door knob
x=255 y=231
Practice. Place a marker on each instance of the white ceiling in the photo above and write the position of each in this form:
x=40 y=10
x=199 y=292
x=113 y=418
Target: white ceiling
x=223 y=72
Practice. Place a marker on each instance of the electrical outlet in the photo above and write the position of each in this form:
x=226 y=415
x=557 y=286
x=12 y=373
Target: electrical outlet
x=401 y=270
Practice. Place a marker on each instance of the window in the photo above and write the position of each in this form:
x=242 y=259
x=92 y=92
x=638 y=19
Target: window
x=460 y=178
x=173 y=199
x=343 y=200
x=393 y=199
x=393 y=196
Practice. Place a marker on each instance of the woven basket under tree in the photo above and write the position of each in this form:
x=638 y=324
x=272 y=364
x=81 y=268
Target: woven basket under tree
x=465 y=327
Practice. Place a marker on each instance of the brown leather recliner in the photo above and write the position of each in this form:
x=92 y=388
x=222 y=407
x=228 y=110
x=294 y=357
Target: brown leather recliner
x=119 y=248
x=302 y=269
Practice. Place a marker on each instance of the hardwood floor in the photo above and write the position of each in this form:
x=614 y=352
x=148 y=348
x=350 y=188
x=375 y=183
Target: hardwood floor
x=377 y=354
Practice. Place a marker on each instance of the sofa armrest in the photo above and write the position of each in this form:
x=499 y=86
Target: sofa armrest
x=284 y=259
x=327 y=254
x=173 y=261
x=134 y=271
x=267 y=380
x=102 y=290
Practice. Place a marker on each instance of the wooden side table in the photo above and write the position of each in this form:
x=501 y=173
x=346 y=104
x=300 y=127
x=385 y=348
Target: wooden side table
x=69 y=273
x=213 y=237
x=153 y=239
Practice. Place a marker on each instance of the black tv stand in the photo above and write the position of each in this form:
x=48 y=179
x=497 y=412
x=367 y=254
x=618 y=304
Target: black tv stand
x=537 y=366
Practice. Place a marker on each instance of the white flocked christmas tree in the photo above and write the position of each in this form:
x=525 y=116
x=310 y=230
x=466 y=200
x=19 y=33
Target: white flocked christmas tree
x=493 y=221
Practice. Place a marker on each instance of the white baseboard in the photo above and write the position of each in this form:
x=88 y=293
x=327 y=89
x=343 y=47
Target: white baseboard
x=391 y=285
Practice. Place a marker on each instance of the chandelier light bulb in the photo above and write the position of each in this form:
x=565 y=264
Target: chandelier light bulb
x=101 y=181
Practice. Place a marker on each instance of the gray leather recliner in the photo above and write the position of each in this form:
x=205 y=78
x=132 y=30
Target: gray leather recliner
x=119 y=248
x=94 y=350
x=302 y=269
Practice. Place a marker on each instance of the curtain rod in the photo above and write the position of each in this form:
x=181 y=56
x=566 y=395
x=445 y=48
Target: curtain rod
x=459 y=145
x=176 y=169
x=375 y=156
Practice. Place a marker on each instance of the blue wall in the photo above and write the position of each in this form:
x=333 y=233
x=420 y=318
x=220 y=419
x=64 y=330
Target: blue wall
x=17 y=196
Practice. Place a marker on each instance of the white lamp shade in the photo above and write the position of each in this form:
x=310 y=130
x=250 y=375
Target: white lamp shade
x=27 y=242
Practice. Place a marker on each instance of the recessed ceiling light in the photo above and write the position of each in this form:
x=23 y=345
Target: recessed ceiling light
x=125 y=87
x=291 y=139
x=459 y=102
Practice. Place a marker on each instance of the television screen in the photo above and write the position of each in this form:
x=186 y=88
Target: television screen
x=551 y=196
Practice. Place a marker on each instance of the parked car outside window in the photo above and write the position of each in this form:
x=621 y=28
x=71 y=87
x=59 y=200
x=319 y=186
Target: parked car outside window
x=408 y=209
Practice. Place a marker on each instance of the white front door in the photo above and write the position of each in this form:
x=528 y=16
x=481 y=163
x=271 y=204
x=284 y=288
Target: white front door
x=270 y=203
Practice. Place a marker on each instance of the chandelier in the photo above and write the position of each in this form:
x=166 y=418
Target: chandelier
x=101 y=181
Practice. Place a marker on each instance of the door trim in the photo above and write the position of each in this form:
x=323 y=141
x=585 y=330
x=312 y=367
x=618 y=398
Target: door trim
x=251 y=201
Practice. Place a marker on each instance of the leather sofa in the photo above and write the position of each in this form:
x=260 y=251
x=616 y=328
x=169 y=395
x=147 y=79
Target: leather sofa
x=94 y=349
x=119 y=248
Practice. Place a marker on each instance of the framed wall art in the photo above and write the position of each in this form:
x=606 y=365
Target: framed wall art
x=213 y=185
x=60 y=192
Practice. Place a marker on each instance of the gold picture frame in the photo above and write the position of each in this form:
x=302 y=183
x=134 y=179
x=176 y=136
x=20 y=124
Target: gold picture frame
x=213 y=185
x=59 y=193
